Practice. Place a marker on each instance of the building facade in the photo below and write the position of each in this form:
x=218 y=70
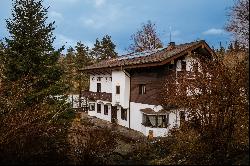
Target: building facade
x=127 y=90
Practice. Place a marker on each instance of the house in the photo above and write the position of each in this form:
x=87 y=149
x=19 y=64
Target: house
x=126 y=90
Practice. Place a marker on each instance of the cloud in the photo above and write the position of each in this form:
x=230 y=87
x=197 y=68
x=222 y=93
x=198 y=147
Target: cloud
x=56 y=16
x=64 y=40
x=214 y=31
x=104 y=18
x=67 y=1
x=175 y=33
x=67 y=42
x=99 y=3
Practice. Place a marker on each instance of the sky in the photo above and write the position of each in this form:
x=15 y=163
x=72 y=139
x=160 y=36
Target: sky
x=86 y=20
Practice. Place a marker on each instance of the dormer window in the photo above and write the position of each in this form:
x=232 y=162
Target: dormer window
x=110 y=78
x=142 y=89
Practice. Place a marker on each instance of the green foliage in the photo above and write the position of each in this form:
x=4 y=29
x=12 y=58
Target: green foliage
x=104 y=49
x=33 y=121
x=83 y=58
x=29 y=52
x=68 y=65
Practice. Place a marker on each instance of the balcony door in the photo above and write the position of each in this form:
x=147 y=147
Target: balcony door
x=113 y=114
x=98 y=87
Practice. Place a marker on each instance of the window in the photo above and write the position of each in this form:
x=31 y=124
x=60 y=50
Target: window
x=92 y=107
x=183 y=65
x=98 y=87
x=171 y=67
x=124 y=114
x=142 y=89
x=158 y=121
x=182 y=117
x=195 y=67
x=117 y=89
x=99 y=78
x=99 y=108
x=106 y=110
x=110 y=78
x=93 y=78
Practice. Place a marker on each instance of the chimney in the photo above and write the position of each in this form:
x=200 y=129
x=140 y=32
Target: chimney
x=171 y=46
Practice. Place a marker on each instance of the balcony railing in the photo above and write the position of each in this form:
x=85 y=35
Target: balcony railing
x=97 y=96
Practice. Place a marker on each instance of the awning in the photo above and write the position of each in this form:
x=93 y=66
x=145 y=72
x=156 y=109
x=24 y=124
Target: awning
x=150 y=111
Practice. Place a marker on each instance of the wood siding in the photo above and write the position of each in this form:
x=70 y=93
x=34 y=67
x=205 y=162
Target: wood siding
x=153 y=78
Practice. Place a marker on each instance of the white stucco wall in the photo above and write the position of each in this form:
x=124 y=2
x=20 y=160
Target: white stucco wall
x=120 y=120
x=106 y=83
x=101 y=115
x=157 y=132
x=119 y=78
x=189 y=64
x=136 y=119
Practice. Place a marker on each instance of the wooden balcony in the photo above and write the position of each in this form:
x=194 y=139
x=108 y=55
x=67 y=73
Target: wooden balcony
x=97 y=96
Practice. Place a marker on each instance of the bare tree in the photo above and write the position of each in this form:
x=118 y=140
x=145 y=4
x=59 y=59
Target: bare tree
x=238 y=22
x=145 y=39
x=214 y=97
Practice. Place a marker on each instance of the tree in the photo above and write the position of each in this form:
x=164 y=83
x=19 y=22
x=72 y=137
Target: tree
x=238 y=22
x=104 y=49
x=108 y=48
x=68 y=63
x=30 y=115
x=215 y=100
x=29 y=52
x=145 y=39
x=82 y=60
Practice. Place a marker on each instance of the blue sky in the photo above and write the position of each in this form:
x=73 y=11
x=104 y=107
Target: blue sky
x=86 y=20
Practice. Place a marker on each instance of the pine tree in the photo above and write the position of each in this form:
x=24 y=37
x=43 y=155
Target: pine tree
x=104 y=49
x=29 y=53
x=108 y=48
x=70 y=56
x=83 y=59
x=96 y=51
x=69 y=69
x=82 y=55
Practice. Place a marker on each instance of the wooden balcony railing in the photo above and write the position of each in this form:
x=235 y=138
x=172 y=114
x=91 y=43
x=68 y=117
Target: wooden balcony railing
x=97 y=96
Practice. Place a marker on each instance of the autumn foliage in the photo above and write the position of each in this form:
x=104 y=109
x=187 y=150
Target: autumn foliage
x=215 y=101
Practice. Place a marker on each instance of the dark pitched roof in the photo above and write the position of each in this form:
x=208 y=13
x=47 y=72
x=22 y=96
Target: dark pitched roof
x=146 y=57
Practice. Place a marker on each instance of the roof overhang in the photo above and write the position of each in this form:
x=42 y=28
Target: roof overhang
x=200 y=45
x=149 y=111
